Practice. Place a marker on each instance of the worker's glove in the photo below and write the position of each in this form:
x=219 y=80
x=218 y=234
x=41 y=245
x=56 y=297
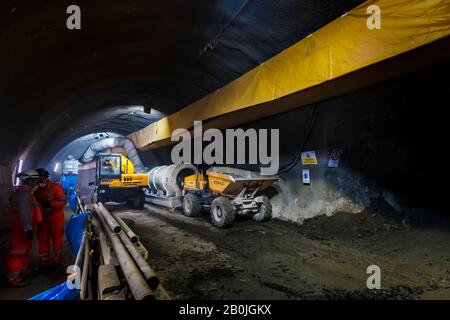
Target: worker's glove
x=29 y=235
x=46 y=204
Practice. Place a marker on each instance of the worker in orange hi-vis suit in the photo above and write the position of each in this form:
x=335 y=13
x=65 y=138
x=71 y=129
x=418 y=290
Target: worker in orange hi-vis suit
x=26 y=213
x=52 y=199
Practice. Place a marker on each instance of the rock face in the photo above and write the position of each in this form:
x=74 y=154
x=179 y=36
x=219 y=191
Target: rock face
x=5 y=193
x=329 y=192
x=382 y=131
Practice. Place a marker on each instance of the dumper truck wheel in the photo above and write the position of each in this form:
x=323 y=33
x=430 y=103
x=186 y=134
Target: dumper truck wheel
x=222 y=212
x=265 y=210
x=191 y=205
x=139 y=201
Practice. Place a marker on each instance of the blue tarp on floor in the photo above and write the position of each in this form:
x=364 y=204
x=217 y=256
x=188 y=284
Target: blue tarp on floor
x=75 y=228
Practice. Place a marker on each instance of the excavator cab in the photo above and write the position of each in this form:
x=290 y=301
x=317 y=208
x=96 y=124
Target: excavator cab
x=117 y=181
x=109 y=167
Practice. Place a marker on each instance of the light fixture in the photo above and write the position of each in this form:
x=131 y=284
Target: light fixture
x=19 y=170
x=56 y=167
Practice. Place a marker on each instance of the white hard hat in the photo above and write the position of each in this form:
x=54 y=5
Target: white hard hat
x=31 y=174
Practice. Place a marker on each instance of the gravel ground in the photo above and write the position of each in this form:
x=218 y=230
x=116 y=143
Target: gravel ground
x=325 y=258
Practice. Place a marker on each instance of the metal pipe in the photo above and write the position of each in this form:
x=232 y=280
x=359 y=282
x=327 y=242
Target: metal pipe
x=73 y=271
x=80 y=204
x=136 y=281
x=133 y=237
x=105 y=249
x=112 y=223
x=149 y=275
x=128 y=240
x=80 y=251
x=85 y=272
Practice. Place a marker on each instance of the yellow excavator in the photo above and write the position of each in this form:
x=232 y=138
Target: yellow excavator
x=117 y=181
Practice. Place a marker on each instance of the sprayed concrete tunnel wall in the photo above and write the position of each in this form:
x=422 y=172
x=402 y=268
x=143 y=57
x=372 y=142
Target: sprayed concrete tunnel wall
x=5 y=193
x=391 y=136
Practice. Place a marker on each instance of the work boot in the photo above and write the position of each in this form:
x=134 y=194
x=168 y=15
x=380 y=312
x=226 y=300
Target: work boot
x=44 y=262
x=28 y=273
x=56 y=260
x=14 y=280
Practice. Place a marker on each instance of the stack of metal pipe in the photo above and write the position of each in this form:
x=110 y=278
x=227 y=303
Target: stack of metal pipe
x=119 y=245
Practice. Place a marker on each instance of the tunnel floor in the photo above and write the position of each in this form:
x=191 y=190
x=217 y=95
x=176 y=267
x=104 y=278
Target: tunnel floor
x=325 y=258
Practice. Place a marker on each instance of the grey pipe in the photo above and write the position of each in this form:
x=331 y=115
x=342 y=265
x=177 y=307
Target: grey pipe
x=147 y=271
x=133 y=237
x=136 y=281
x=112 y=223
x=80 y=204
x=125 y=143
x=80 y=251
x=84 y=275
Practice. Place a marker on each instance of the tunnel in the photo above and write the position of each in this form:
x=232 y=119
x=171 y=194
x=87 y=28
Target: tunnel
x=341 y=109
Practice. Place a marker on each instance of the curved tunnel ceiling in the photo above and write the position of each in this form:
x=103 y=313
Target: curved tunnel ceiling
x=120 y=120
x=57 y=85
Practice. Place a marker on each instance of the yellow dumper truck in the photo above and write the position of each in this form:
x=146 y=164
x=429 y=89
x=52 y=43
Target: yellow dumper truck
x=227 y=191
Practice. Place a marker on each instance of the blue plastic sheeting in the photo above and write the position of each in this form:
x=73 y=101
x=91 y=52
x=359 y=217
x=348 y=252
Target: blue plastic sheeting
x=73 y=203
x=75 y=228
x=60 y=292
x=69 y=183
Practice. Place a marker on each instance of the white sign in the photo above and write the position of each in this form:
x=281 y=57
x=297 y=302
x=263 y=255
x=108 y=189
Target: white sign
x=309 y=157
x=334 y=158
x=306 y=177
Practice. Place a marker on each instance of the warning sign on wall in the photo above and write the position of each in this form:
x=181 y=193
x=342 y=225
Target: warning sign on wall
x=334 y=158
x=309 y=157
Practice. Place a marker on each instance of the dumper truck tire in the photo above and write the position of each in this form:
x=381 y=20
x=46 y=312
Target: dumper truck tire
x=265 y=210
x=191 y=205
x=222 y=213
x=139 y=201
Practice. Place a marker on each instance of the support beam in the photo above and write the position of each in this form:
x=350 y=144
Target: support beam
x=334 y=56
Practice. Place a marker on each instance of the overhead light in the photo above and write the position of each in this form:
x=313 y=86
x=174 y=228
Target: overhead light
x=19 y=170
x=56 y=167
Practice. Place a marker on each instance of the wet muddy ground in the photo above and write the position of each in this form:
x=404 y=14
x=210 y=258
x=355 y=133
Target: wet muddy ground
x=325 y=258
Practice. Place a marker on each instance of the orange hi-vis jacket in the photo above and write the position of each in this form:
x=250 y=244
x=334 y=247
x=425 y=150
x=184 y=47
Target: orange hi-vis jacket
x=26 y=213
x=54 y=193
x=51 y=229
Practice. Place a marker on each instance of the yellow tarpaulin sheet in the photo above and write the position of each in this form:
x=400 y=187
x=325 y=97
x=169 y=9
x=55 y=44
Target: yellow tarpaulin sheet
x=341 y=47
